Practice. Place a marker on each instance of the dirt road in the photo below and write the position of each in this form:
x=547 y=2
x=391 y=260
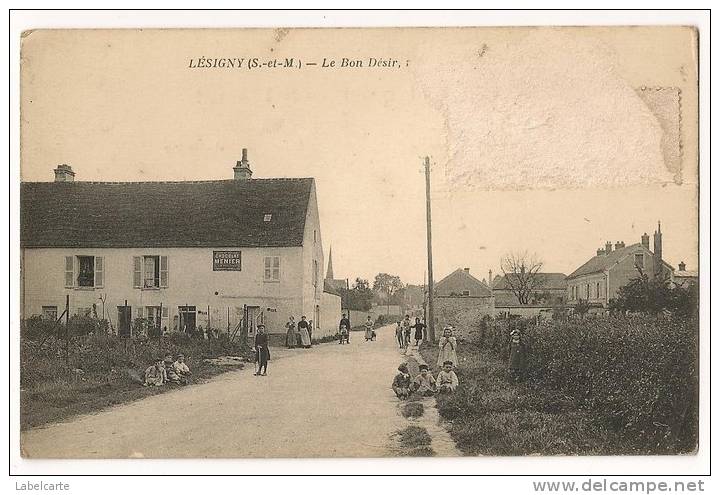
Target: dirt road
x=328 y=401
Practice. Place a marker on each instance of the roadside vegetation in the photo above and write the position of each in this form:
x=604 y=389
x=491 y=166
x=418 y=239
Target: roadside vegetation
x=101 y=370
x=592 y=386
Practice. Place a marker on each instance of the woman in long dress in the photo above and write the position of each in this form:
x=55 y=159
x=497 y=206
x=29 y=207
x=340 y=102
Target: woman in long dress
x=291 y=337
x=448 y=346
x=368 y=329
x=303 y=332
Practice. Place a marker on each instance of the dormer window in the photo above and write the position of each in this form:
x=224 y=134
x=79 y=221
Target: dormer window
x=267 y=217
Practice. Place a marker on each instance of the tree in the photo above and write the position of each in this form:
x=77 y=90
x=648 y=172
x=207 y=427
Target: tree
x=655 y=295
x=359 y=298
x=522 y=274
x=387 y=285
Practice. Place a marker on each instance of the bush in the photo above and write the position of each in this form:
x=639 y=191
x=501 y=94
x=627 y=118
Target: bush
x=637 y=374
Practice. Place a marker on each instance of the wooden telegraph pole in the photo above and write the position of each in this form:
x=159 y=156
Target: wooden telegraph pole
x=430 y=315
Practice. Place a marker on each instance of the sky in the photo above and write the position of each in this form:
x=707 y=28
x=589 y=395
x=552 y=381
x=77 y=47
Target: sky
x=538 y=139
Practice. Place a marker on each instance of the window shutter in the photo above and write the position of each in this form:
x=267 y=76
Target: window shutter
x=139 y=312
x=165 y=312
x=163 y=271
x=99 y=271
x=137 y=271
x=69 y=271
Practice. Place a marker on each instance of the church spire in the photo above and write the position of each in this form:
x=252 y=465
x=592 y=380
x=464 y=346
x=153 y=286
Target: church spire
x=330 y=275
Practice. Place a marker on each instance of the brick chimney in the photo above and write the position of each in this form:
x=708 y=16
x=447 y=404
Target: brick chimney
x=619 y=245
x=600 y=252
x=466 y=270
x=490 y=280
x=608 y=247
x=64 y=173
x=242 y=168
x=681 y=266
x=645 y=240
x=657 y=251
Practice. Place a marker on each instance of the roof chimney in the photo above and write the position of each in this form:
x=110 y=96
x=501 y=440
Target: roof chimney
x=681 y=266
x=466 y=270
x=608 y=247
x=490 y=279
x=619 y=245
x=645 y=240
x=242 y=168
x=64 y=173
x=600 y=252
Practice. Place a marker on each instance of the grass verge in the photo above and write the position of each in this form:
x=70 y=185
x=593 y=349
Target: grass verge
x=488 y=415
x=103 y=372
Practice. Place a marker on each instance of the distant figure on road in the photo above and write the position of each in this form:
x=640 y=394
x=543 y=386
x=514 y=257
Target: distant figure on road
x=262 y=351
x=448 y=346
x=369 y=333
x=155 y=375
x=291 y=336
x=344 y=339
x=424 y=383
x=304 y=332
x=418 y=331
x=447 y=380
x=401 y=382
x=345 y=321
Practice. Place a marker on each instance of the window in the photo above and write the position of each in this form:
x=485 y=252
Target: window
x=84 y=271
x=49 y=312
x=155 y=316
x=272 y=268
x=587 y=291
x=597 y=290
x=639 y=260
x=466 y=293
x=267 y=217
x=314 y=236
x=150 y=272
x=316 y=274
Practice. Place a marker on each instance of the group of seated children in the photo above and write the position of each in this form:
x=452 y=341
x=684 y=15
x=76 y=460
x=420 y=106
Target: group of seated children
x=424 y=383
x=167 y=370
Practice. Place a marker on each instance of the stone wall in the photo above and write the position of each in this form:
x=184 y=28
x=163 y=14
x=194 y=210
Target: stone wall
x=463 y=313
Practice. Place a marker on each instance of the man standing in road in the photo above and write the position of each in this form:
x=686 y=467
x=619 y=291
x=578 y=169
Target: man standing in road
x=345 y=321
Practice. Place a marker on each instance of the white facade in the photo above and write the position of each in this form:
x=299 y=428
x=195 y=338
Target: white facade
x=272 y=284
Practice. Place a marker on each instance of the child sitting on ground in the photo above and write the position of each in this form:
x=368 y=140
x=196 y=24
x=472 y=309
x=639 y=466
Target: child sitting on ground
x=447 y=380
x=424 y=383
x=155 y=375
x=180 y=368
x=401 y=382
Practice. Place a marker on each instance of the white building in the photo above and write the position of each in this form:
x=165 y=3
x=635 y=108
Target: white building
x=195 y=253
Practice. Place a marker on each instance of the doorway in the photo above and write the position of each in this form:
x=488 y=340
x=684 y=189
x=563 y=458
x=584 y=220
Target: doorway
x=188 y=319
x=124 y=319
x=252 y=318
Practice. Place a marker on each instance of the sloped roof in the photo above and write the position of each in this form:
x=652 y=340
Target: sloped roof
x=164 y=214
x=461 y=280
x=604 y=262
x=546 y=281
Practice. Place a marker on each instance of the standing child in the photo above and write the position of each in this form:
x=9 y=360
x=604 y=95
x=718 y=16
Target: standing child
x=424 y=383
x=399 y=336
x=401 y=382
x=406 y=326
x=516 y=364
x=418 y=331
x=447 y=380
x=448 y=346
x=262 y=351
